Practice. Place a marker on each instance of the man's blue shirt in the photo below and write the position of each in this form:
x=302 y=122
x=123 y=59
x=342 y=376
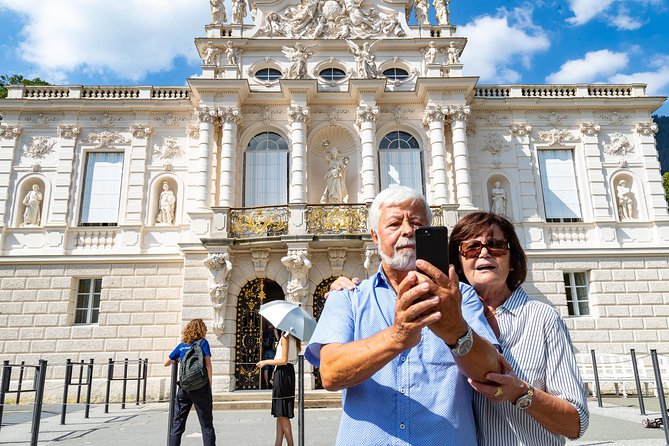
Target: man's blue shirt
x=418 y=398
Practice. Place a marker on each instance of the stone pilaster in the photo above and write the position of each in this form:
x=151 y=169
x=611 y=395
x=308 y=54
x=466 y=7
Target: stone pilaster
x=9 y=138
x=366 y=121
x=463 y=185
x=528 y=206
x=434 y=118
x=200 y=170
x=230 y=120
x=299 y=117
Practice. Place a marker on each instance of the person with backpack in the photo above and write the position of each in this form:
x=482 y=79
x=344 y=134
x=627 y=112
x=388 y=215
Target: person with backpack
x=194 y=357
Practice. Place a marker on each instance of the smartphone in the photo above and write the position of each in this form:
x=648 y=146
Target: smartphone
x=432 y=246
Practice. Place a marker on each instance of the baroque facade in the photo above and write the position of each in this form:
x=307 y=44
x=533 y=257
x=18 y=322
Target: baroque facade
x=127 y=211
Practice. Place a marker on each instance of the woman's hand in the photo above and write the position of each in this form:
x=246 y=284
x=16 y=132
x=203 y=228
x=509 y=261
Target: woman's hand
x=504 y=386
x=261 y=364
x=343 y=283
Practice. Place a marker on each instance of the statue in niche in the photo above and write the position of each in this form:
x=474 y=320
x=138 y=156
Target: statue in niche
x=625 y=201
x=298 y=265
x=211 y=54
x=238 y=11
x=453 y=54
x=166 y=205
x=431 y=53
x=335 y=178
x=298 y=55
x=231 y=54
x=442 y=11
x=31 y=215
x=498 y=200
x=365 y=60
x=218 y=16
x=421 y=8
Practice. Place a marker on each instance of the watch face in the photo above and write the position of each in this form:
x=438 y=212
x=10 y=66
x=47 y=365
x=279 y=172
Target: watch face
x=465 y=346
x=524 y=402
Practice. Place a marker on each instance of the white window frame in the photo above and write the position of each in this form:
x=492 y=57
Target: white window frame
x=272 y=189
x=90 y=312
x=106 y=188
x=571 y=288
x=414 y=159
x=559 y=186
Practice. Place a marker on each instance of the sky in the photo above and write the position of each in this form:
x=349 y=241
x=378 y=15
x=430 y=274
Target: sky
x=151 y=42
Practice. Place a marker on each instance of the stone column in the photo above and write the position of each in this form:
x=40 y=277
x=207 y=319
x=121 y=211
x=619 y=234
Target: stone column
x=463 y=185
x=366 y=121
x=201 y=171
x=61 y=198
x=299 y=117
x=230 y=119
x=434 y=119
x=9 y=137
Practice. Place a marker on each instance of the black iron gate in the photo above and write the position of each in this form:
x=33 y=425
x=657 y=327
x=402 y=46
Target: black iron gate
x=319 y=303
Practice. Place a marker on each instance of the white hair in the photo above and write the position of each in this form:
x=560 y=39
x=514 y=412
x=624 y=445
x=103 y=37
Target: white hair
x=392 y=196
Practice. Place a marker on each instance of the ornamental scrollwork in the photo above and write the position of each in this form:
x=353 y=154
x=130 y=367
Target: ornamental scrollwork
x=494 y=143
x=435 y=113
x=339 y=219
x=170 y=120
x=366 y=113
x=260 y=222
x=105 y=139
x=520 y=129
x=206 y=114
x=106 y=121
x=553 y=119
x=460 y=113
x=618 y=145
x=41 y=121
x=39 y=147
x=556 y=137
x=589 y=128
x=230 y=115
x=68 y=131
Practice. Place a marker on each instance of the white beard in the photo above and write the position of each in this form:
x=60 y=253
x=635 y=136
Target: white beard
x=401 y=261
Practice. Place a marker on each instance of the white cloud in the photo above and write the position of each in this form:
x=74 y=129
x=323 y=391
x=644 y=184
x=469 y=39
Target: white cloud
x=586 y=10
x=595 y=66
x=126 y=38
x=657 y=81
x=498 y=44
x=625 y=22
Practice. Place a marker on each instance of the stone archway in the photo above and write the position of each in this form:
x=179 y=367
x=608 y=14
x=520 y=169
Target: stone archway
x=248 y=341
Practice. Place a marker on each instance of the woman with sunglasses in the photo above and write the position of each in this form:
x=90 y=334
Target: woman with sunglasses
x=539 y=400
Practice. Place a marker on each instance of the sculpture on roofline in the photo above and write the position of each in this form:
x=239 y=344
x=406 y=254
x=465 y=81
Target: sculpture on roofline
x=238 y=11
x=442 y=11
x=421 y=8
x=298 y=55
x=365 y=60
x=218 y=16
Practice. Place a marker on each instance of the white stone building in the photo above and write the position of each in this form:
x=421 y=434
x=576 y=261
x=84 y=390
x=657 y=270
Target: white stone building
x=127 y=211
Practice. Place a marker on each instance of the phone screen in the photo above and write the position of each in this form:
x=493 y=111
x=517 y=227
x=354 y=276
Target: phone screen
x=432 y=246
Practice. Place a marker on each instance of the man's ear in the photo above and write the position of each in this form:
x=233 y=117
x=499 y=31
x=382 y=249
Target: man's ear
x=375 y=237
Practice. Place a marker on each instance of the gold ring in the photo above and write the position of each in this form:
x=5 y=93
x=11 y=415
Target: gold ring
x=499 y=392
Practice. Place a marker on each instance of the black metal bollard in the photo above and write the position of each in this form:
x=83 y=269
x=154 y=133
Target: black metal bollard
x=173 y=397
x=18 y=390
x=66 y=387
x=110 y=376
x=660 y=394
x=4 y=386
x=594 y=371
x=125 y=382
x=642 y=408
x=40 y=379
x=89 y=383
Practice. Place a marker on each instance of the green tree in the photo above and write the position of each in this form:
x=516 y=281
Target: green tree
x=16 y=79
x=665 y=182
x=662 y=141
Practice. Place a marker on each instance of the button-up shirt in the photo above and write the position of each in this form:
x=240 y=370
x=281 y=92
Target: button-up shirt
x=536 y=342
x=418 y=398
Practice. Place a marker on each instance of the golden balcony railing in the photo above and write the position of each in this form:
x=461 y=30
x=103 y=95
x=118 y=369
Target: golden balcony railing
x=337 y=219
x=259 y=222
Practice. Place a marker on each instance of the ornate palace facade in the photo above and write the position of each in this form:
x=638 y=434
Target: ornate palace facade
x=126 y=211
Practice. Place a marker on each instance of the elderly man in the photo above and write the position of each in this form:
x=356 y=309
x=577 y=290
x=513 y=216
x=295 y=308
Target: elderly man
x=402 y=345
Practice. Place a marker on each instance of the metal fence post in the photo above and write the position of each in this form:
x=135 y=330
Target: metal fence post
x=594 y=371
x=139 y=380
x=110 y=376
x=300 y=394
x=40 y=378
x=642 y=408
x=18 y=390
x=89 y=383
x=125 y=382
x=4 y=386
x=660 y=394
x=80 y=381
x=66 y=387
x=146 y=370
x=173 y=397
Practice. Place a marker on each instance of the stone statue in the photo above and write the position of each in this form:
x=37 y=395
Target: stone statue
x=442 y=11
x=211 y=54
x=421 y=8
x=31 y=215
x=498 y=199
x=231 y=54
x=361 y=19
x=166 y=205
x=218 y=16
x=298 y=265
x=298 y=55
x=453 y=54
x=625 y=201
x=220 y=267
x=365 y=60
x=335 y=178
x=238 y=11
x=390 y=26
x=431 y=53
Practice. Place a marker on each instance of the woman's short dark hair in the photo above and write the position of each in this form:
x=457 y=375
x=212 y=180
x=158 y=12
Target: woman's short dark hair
x=476 y=224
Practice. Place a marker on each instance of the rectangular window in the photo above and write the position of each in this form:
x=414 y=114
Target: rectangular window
x=266 y=182
x=576 y=287
x=87 y=310
x=558 y=183
x=401 y=167
x=102 y=189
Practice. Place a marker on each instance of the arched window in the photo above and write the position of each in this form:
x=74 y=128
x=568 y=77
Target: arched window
x=396 y=74
x=401 y=161
x=266 y=170
x=332 y=74
x=268 y=74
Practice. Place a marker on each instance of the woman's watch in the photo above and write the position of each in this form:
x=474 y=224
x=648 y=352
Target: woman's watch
x=525 y=400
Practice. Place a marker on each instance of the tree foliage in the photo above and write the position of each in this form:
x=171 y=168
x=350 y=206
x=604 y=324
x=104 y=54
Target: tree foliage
x=665 y=183
x=662 y=140
x=16 y=79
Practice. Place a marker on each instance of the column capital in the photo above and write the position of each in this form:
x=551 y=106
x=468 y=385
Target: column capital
x=8 y=131
x=68 y=131
x=298 y=113
x=366 y=113
x=230 y=115
x=460 y=113
x=140 y=131
x=589 y=128
x=646 y=128
x=206 y=114
x=520 y=129
x=435 y=113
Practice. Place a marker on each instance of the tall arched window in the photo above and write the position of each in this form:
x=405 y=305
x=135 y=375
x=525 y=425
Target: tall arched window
x=266 y=170
x=401 y=161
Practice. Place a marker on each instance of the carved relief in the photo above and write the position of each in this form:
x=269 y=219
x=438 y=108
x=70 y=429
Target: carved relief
x=39 y=147
x=337 y=257
x=366 y=113
x=193 y=131
x=220 y=267
x=494 y=143
x=372 y=260
x=169 y=150
x=589 y=128
x=68 y=131
x=260 y=258
x=556 y=137
x=298 y=114
x=618 y=145
x=615 y=118
x=435 y=113
x=106 y=121
x=493 y=119
x=206 y=114
x=460 y=113
x=105 y=139
x=230 y=115
x=298 y=56
x=41 y=121
x=554 y=120
x=364 y=59
x=170 y=120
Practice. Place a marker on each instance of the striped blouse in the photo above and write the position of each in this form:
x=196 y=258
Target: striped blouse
x=536 y=342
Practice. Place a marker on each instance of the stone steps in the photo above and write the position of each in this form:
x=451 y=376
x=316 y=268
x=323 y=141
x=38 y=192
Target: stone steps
x=262 y=400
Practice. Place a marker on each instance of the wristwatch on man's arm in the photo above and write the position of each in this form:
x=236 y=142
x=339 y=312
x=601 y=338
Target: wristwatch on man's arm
x=464 y=344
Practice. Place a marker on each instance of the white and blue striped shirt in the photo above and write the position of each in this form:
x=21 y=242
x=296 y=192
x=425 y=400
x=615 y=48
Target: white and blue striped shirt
x=536 y=342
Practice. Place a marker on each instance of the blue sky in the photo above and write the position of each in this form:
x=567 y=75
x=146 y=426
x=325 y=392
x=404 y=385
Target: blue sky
x=150 y=42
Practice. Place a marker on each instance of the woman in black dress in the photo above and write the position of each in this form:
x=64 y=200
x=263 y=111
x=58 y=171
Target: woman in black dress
x=283 y=389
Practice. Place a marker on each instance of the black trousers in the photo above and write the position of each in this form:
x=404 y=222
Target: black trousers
x=203 y=401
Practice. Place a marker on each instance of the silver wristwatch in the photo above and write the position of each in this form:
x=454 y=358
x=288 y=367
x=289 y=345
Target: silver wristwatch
x=464 y=344
x=525 y=401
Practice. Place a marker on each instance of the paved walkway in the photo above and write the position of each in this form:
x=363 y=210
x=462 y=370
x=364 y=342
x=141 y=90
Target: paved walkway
x=617 y=423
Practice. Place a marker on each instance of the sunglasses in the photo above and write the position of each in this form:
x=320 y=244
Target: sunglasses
x=470 y=249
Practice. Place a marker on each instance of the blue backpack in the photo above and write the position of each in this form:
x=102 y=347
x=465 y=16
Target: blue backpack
x=192 y=371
